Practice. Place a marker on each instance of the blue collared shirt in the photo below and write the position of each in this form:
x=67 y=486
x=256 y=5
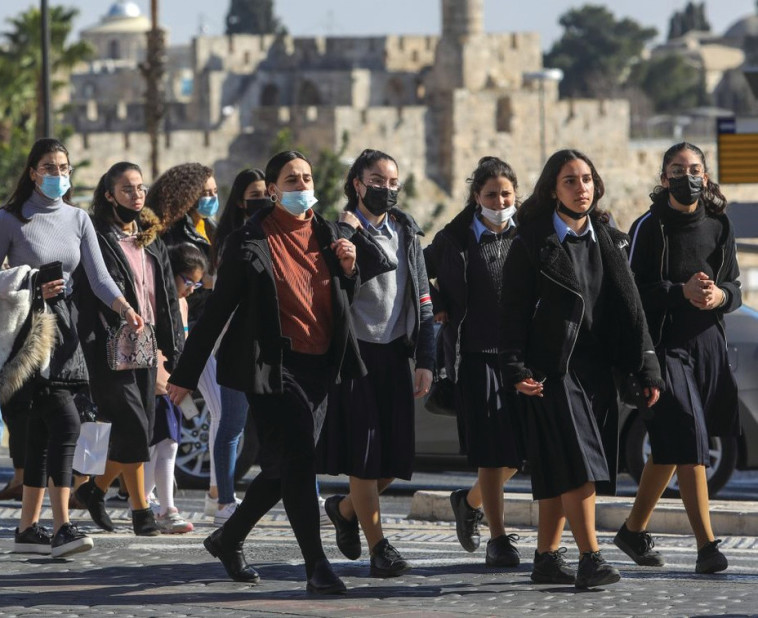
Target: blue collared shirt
x=386 y=227
x=563 y=230
x=479 y=228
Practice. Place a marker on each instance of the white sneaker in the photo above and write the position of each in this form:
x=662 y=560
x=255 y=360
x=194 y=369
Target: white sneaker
x=211 y=506
x=224 y=513
x=173 y=523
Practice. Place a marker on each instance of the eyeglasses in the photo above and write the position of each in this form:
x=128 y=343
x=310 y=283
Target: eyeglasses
x=677 y=171
x=132 y=191
x=381 y=183
x=50 y=169
x=190 y=283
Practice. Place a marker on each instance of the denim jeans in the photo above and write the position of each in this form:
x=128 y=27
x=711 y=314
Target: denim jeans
x=233 y=418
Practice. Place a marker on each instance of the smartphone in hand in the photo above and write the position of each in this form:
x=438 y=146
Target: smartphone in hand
x=52 y=271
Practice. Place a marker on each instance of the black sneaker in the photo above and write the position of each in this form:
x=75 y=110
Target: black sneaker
x=467 y=520
x=501 y=551
x=70 y=540
x=348 y=534
x=593 y=571
x=144 y=524
x=710 y=559
x=386 y=561
x=550 y=567
x=91 y=496
x=34 y=540
x=638 y=546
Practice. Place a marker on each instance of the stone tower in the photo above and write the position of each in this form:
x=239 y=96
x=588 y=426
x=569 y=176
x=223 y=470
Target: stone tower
x=462 y=18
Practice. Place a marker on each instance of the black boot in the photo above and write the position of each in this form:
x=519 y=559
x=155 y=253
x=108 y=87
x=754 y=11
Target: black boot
x=92 y=497
x=143 y=522
x=323 y=580
x=232 y=558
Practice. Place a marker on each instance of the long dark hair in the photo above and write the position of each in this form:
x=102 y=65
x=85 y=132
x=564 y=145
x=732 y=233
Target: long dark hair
x=233 y=216
x=542 y=201
x=713 y=200
x=25 y=185
x=365 y=160
x=102 y=209
x=279 y=160
x=488 y=167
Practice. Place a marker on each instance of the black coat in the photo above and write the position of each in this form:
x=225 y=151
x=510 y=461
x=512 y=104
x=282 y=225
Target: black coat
x=447 y=262
x=648 y=257
x=250 y=355
x=544 y=307
x=169 y=331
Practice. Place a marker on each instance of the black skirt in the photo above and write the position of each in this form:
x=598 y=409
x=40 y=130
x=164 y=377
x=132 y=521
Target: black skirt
x=369 y=429
x=486 y=411
x=700 y=400
x=572 y=431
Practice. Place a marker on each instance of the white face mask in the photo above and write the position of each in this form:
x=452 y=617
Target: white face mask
x=498 y=217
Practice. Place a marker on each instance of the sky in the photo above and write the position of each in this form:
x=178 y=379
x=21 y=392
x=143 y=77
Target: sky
x=185 y=18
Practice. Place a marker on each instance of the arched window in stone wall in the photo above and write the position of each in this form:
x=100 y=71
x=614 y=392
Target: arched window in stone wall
x=504 y=112
x=270 y=95
x=308 y=94
x=114 y=49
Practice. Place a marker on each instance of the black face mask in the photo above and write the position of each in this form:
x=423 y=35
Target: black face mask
x=573 y=214
x=253 y=205
x=126 y=215
x=379 y=201
x=686 y=189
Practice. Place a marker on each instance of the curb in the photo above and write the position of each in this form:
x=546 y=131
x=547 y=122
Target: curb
x=727 y=517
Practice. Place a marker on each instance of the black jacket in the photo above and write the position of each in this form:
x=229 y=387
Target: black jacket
x=447 y=262
x=544 y=307
x=250 y=355
x=372 y=262
x=648 y=256
x=169 y=331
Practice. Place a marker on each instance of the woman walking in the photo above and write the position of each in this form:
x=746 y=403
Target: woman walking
x=286 y=280
x=138 y=261
x=40 y=226
x=684 y=260
x=466 y=258
x=370 y=430
x=571 y=312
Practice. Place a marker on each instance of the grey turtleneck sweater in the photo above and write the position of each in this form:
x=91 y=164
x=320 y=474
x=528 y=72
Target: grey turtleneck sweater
x=56 y=231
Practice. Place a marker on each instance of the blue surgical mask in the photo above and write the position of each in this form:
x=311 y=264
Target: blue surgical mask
x=55 y=187
x=298 y=202
x=207 y=206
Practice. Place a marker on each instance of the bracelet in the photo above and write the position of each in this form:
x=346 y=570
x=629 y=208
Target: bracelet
x=122 y=312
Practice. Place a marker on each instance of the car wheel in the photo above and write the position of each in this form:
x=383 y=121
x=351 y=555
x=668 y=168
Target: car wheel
x=723 y=459
x=193 y=463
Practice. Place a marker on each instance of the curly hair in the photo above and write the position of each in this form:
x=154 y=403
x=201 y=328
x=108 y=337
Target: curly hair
x=713 y=199
x=542 y=201
x=176 y=191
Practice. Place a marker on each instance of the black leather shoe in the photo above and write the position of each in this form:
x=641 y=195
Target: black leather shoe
x=638 y=546
x=501 y=551
x=593 y=571
x=386 y=561
x=143 y=523
x=324 y=580
x=551 y=568
x=467 y=520
x=91 y=496
x=710 y=559
x=348 y=535
x=232 y=558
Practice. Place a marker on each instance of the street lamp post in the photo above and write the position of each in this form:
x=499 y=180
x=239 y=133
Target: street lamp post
x=553 y=75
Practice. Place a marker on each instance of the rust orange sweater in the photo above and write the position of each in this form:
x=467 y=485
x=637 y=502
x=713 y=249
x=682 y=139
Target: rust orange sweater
x=303 y=282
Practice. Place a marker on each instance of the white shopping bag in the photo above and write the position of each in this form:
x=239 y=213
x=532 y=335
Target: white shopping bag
x=92 y=448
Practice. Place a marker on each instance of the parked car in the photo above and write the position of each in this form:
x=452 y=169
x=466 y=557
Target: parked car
x=437 y=436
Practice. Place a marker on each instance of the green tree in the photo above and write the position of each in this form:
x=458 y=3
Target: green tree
x=691 y=18
x=671 y=82
x=253 y=17
x=596 y=50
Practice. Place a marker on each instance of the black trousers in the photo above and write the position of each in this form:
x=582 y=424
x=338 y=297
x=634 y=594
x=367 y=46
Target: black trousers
x=15 y=414
x=52 y=431
x=284 y=422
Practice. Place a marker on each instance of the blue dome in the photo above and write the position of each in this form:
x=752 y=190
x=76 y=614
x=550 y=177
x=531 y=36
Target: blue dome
x=123 y=8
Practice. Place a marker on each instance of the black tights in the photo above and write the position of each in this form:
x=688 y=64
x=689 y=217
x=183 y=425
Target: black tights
x=284 y=422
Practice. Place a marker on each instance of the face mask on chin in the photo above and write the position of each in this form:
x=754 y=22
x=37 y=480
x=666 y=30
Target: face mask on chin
x=498 y=217
x=572 y=214
x=125 y=215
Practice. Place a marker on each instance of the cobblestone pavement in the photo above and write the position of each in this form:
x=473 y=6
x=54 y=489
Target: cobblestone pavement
x=173 y=576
